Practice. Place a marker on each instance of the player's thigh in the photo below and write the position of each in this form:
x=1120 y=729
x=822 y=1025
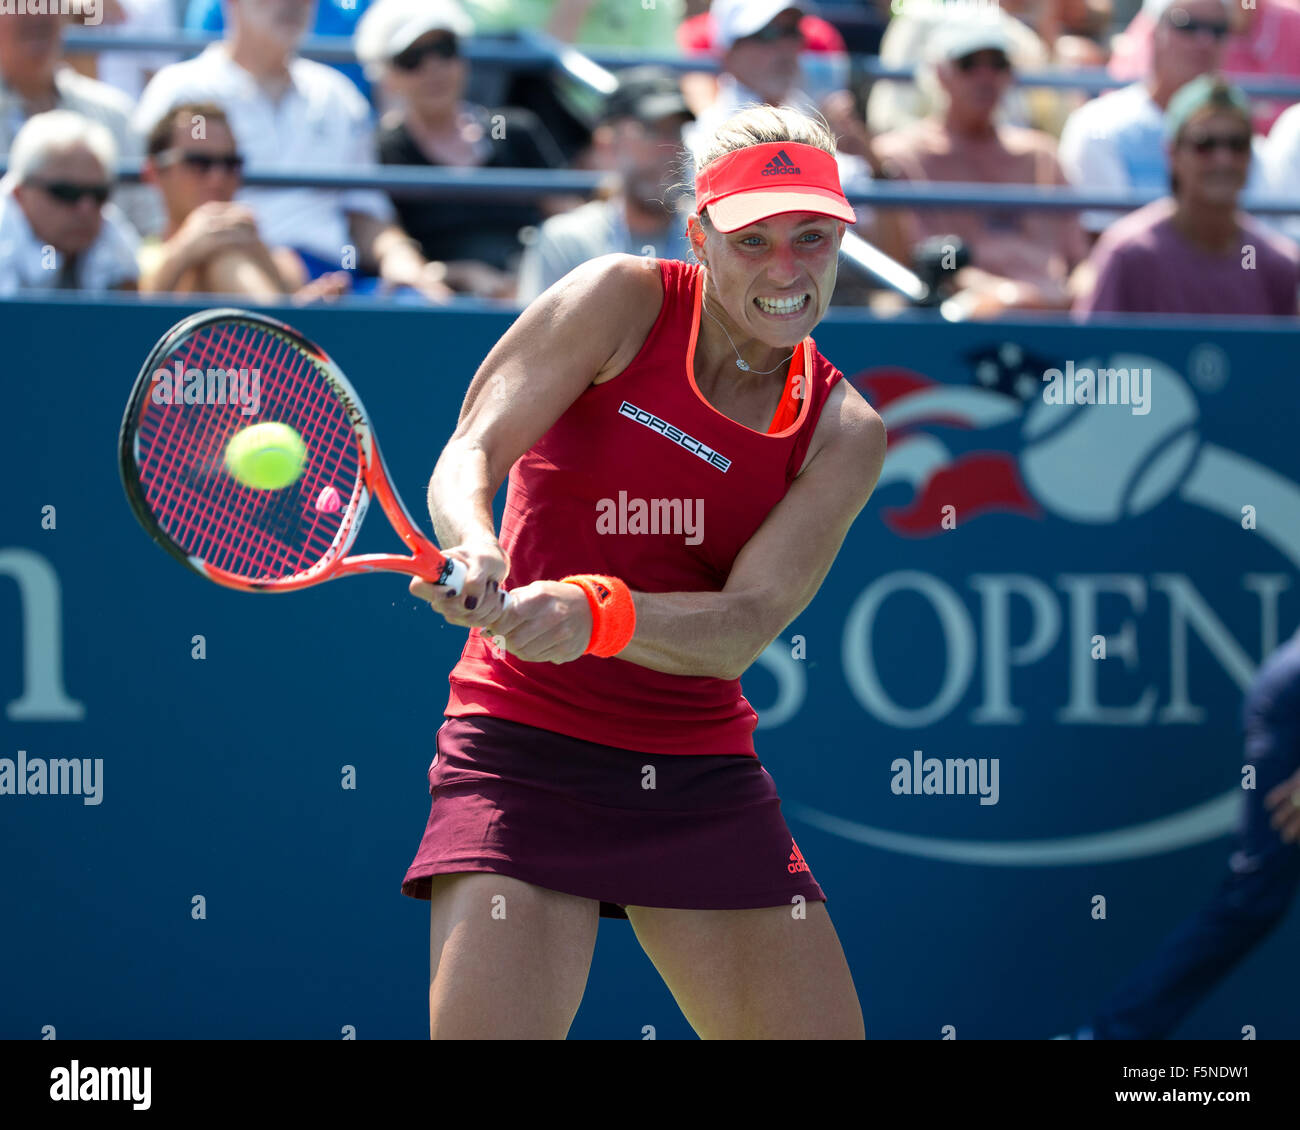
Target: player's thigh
x=770 y=973
x=507 y=959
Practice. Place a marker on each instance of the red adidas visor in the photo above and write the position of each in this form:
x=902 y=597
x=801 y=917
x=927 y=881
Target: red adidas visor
x=760 y=181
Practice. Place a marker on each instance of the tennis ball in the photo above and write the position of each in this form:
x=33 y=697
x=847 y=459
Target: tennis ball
x=266 y=456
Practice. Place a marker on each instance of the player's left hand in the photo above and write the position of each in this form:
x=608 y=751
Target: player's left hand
x=1284 y=802
x=547 y=622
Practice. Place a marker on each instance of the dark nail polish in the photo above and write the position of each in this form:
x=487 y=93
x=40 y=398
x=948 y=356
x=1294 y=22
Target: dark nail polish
x=471 y=602
x=492 y=585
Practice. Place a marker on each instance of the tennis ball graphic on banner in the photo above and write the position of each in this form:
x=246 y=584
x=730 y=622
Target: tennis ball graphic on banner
x=1148 y=435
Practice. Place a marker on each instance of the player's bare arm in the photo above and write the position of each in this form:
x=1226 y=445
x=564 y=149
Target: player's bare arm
x=587 y=326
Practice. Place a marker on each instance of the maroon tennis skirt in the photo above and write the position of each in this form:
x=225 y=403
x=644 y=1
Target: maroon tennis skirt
x=582 y=818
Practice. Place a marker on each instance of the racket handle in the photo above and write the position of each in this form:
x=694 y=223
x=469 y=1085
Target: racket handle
x=454 y=578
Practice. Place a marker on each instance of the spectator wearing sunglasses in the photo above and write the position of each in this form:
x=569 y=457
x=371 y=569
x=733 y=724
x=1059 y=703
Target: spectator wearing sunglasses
x=57 y=229
x=908 y=42
x=1195 y=252
x=413 y=48
x=1263 y=39
x=762 y=46
x=1019 y=258
x=210 y=244
x=1116 y=141
x=291 y=113
x=824 y=67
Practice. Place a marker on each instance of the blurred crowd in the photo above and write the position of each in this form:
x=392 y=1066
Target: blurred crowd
x=414 y=96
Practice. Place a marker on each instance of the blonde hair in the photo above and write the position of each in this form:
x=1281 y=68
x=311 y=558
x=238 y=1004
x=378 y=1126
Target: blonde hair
x=761 y=125
x=755 y=124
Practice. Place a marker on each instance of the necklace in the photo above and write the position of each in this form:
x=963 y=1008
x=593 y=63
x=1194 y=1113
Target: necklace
x=741 y=363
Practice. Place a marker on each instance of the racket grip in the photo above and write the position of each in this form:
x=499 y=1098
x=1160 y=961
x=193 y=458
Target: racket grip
x=454 y=578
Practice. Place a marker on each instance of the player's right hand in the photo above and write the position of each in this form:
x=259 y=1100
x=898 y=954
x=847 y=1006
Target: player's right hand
x=480 y=601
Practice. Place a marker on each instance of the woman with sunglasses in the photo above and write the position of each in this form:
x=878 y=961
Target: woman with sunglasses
x=413 y=49
x=1193 y=252
x=57 y=229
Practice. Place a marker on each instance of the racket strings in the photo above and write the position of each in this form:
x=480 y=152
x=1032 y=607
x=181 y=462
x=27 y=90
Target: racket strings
x=257 y=535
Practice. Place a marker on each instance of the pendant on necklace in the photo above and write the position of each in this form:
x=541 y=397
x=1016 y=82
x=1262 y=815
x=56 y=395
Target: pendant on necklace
x=743 y=366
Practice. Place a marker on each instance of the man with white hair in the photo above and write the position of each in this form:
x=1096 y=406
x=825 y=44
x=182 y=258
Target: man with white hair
x=34 y=78
x=293 y=113
x=1116 y=141
x=57 y=229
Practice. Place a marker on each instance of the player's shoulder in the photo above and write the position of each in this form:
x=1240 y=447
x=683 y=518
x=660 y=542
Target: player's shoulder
x=622 y=280
x=851 y=432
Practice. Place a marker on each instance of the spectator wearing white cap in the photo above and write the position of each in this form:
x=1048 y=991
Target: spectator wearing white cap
x=293 y=113
x=761 y=45
x=1116 y=141
x=1019 y=258
x=907 y=42
x=412 y=49
x=57 y=229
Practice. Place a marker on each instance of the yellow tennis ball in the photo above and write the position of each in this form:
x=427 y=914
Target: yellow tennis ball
x=266 y=456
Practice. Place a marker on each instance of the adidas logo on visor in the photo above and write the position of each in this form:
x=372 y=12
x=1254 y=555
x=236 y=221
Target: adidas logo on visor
x=781 y=165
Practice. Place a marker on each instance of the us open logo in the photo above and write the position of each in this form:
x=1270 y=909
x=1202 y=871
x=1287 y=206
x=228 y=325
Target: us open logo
x=1012 y=640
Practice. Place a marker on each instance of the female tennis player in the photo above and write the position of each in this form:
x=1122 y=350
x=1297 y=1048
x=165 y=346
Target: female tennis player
x=597 y=758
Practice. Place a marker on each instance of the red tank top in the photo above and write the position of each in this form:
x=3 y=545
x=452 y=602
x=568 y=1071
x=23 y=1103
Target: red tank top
x=641 y=478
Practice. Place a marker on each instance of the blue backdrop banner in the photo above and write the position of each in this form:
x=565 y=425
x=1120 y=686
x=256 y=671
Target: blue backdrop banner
x=1006 y=732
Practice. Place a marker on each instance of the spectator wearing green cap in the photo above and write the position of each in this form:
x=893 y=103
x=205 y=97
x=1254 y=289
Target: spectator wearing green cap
x=1114 y=141
x=1195 y=252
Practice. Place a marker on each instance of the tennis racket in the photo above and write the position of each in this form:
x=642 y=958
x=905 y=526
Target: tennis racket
x=252 y=369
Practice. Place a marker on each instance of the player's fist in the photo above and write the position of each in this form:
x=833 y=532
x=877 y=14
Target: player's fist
x=547 y=622
x=480 y=600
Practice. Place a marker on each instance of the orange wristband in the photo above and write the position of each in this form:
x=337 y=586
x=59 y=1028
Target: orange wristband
x=613 y=616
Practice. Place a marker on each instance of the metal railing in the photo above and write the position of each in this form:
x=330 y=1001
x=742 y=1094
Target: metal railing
x=535 y=52
x=442 y=183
